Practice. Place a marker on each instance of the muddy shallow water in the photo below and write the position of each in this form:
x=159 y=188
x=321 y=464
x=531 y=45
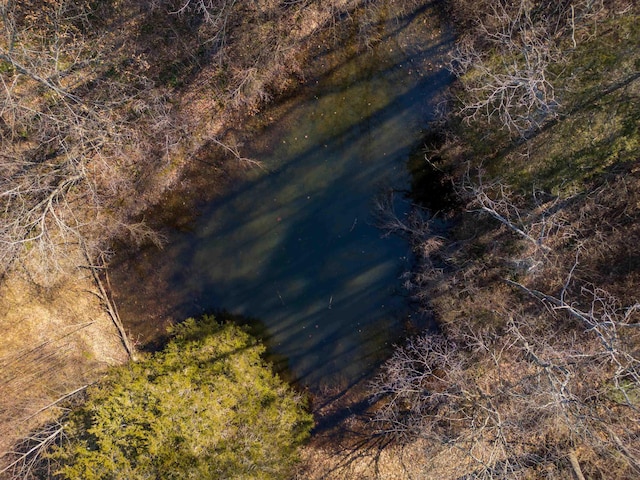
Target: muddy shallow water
x=294 y=243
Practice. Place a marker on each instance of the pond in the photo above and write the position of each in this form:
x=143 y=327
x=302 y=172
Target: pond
x=294 y=243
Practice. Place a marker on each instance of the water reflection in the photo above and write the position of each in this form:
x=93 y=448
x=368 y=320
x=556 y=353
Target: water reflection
x=294 y=244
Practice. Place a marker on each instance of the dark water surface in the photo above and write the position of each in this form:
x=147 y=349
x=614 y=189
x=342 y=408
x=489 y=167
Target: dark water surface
x=294 y=243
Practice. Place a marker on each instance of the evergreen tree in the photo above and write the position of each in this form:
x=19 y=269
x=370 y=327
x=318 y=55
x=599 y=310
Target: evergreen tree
x=206 y=407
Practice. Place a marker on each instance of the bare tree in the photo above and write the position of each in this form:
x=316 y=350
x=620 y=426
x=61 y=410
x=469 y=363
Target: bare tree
x=612 y=325
x=516 y=91
x=536 y=222
x=413 y=385
x=416 y=224
x=506 y=74
x=65 y=130
x=429 y=389
x=216 y=14
x=588 y=381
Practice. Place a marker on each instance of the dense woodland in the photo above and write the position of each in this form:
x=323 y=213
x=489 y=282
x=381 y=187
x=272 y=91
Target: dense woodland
x=529 y=268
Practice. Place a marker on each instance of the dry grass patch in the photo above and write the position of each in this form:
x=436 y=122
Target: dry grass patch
x=55 y=340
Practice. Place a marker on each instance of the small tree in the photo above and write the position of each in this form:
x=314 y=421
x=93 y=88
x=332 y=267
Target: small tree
x=206 y=407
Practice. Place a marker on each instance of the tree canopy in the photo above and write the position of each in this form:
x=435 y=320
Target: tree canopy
x=207 y=406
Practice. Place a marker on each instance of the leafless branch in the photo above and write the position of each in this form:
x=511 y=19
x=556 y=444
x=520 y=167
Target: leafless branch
x=235 y=152
x=498 y=201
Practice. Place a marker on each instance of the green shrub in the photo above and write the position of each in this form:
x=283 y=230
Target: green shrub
x=205 y=407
